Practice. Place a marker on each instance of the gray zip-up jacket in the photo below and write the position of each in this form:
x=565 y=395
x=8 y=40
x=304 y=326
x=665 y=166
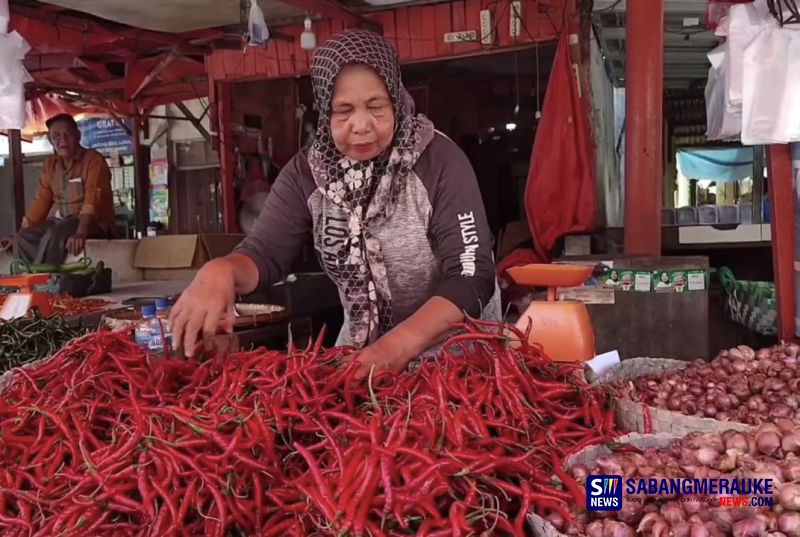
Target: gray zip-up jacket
x=437 y=242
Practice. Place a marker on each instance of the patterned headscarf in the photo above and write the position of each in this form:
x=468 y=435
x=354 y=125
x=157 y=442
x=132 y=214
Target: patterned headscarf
x=363 y=193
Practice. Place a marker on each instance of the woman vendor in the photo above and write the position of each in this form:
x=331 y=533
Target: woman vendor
x=394 y=208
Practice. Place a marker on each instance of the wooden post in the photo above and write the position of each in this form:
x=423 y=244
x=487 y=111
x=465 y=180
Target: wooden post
x=644 y=83
x=15 y=150
x=226 y=158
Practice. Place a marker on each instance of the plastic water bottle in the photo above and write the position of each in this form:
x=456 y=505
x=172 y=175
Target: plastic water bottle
x=162 y=316
x=143 y=333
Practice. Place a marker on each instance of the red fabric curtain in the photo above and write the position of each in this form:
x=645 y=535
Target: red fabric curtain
x=560 y=195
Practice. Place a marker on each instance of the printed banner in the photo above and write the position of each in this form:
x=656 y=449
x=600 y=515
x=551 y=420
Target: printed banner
x=107 y=136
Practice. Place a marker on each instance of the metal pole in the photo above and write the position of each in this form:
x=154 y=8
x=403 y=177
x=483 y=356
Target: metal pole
x=142 y=178
x=644 y=171
x=15 y=150
x=226 y=159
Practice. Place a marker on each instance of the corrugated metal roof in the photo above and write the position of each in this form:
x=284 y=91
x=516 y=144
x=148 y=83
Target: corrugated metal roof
x=686 y=40
x=174 y=16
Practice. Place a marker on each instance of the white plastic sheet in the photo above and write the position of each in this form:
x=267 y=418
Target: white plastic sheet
x=721 y=122
x=13 y=77
x=257 y=26
x=745 y=23
x=771 y=90
x=5 y=16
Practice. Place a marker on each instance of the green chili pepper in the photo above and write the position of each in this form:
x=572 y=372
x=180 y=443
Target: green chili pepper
x=27 y=339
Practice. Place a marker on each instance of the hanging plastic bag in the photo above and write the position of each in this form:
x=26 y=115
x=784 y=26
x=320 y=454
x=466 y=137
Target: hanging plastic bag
x=13 y=77
x=5 y=16
x=745 y=23
x=721 y=124
x=12 y=109
x=771 y=100
x=718 y=10
x=13 y=49
x=257 y=25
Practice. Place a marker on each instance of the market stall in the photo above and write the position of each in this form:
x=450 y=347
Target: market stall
x=106 y=430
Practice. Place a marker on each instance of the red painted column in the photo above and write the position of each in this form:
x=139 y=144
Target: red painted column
x=781 y=197
x=226 y=158
x=644 y=83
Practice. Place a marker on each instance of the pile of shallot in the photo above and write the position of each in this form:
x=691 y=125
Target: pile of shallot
x=772 y=452
x=740 y=384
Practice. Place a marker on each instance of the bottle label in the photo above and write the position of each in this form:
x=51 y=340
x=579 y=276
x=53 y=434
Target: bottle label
x=142 y=337
x=156 y=342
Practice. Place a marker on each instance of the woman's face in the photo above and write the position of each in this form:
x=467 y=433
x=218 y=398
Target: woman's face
x=362 y=114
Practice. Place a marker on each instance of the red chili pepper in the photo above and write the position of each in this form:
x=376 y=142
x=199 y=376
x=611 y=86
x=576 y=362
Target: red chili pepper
x=647 y=420
x=364 y=503
x=458 y=520
x=327 y=502
x=569 y=483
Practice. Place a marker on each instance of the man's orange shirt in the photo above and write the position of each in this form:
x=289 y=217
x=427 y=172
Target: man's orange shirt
x=79 y=187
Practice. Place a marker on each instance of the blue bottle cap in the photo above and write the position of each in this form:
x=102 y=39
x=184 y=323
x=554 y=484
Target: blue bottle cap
x=162 y=303
x=148 y=311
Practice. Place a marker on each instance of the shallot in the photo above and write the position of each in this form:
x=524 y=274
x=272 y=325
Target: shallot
x=789 y=524
x=750 y=527
x=612 y=528
x=731 y=456
x=698 y=530
x=790 y=469
x=791 y=443
x=789 y=497
x=595 y=529
x=768 y=442
x=739 y=385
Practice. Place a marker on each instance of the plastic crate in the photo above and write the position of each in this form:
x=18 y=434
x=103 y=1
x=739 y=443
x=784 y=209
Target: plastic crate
x=687 y=216
x=728 y=214
x=708 y=215
x=746 y=213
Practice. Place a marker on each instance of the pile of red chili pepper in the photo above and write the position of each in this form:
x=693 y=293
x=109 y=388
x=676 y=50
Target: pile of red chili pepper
x=103 y=439
x=66 y=306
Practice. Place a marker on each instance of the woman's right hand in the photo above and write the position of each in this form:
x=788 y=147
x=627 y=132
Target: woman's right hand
x=206 y=305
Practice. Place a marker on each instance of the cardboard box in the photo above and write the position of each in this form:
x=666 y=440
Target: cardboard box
x=577 y=245
x=179 y=257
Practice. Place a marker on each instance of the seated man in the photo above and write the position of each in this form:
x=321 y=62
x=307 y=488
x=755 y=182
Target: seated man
x=73 y=201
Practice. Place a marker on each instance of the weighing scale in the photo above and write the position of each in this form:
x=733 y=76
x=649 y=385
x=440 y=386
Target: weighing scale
x=20 y=303
x=562 y=327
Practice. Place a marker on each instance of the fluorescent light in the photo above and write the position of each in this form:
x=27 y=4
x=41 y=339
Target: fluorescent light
x=511 y=126
x=308 y=39
x=73 y=93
